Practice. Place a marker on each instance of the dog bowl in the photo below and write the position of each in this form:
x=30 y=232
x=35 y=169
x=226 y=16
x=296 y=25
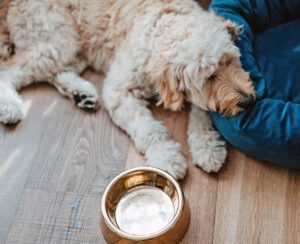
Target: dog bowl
x=144 y=205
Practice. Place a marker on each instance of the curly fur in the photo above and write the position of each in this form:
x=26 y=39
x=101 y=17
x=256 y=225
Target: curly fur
x=171 y=49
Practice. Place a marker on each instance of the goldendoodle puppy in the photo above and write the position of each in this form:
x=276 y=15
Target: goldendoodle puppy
x=171 y=49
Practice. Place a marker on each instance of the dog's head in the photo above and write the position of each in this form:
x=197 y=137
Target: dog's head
x=215 y=81
x=227 y=89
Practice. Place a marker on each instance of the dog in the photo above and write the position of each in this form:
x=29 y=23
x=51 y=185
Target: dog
x=169 y=49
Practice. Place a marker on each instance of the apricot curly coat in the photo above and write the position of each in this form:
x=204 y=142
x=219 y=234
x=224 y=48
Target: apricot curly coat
x=171 y=49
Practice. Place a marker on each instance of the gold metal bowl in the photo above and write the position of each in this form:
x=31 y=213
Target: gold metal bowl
x=144 y=205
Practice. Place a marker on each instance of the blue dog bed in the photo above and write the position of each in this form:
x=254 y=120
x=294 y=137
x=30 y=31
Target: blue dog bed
x=270 y=48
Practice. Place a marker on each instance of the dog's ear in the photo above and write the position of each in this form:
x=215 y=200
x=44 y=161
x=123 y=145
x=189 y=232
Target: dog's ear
x=233 y=29
x=170 y=95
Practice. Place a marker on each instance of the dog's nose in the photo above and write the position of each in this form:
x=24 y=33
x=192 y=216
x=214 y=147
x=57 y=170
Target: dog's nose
x=247 y=101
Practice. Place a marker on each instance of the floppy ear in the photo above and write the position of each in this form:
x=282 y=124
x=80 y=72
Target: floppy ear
x=233 y=29
x=171 y=97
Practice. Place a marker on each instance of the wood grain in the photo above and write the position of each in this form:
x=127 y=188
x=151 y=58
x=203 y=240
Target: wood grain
x=54 y=167
x=55 y=164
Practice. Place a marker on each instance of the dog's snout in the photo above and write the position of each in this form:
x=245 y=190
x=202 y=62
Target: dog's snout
x=247 y=101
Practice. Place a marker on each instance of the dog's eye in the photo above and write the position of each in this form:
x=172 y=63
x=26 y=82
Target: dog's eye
x=212 y=77
x=228 y=62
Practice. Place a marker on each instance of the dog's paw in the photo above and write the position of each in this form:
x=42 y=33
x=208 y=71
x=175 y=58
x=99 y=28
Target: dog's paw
x=11 y=111
x=87 y=97
x=167 y=156
x=208 y=151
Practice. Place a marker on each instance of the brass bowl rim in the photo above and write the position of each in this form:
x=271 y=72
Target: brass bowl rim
x=125 y=235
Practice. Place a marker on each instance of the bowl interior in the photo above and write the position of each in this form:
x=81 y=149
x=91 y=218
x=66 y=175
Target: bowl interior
x=142 y=202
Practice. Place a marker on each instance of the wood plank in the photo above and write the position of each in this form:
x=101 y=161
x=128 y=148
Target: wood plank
x=291 y=210
x=55 y=166
x=228 y=198
x=250 y=206
x=261 y=212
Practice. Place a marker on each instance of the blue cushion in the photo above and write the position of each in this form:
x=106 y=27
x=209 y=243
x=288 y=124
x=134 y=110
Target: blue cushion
x=270 y=48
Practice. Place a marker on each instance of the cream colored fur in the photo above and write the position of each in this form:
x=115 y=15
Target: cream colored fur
x=164 y=48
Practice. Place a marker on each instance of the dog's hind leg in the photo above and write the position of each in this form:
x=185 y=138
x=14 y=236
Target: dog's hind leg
x=81 y=91
x=207 y=149
x=129 y=110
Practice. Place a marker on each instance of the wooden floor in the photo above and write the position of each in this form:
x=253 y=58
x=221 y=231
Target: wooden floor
x=56 y=163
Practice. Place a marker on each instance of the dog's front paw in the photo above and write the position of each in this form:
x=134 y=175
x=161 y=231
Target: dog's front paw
x=11 y=111
x=167 y=156
x=208 y=151
x=87 y=97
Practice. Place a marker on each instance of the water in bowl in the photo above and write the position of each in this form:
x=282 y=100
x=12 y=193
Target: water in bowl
x=144 y=211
